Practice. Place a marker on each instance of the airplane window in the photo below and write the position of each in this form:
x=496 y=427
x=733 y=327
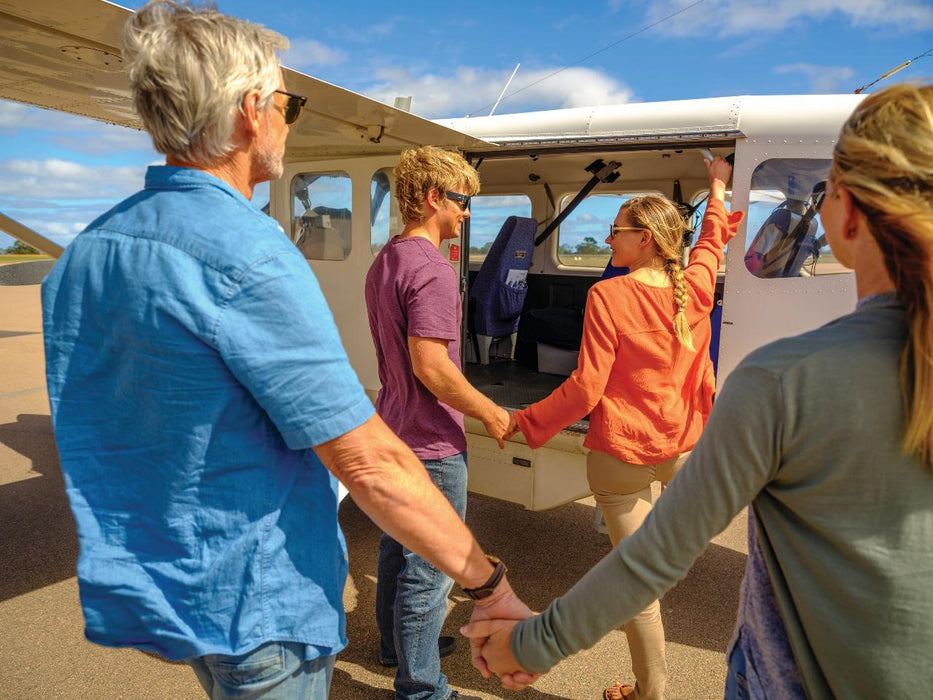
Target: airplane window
x=581 y=240
x=784 y=234
x=487 y=213
x=261 y=196
x=321 y=215
x=384 y=217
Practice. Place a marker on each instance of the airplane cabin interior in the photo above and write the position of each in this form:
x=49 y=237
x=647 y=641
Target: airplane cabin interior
x=529 y=279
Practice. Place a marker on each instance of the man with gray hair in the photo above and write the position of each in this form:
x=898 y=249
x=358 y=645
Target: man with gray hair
x=201 y=398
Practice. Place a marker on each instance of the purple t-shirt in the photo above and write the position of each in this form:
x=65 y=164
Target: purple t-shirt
x=411 y=290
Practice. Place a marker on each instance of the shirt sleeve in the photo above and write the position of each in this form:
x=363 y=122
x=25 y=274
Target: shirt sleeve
x=278 y=338
x=737 y=456
x=717 y=229
x=433 y=303
x=580 y=393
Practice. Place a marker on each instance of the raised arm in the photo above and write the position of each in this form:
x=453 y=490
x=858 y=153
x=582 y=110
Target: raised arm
x=717 y=229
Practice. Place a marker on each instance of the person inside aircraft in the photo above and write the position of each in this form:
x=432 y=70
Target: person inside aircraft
x=645 y=376
x=202 y=401
x=788 y=238
x=828 y=436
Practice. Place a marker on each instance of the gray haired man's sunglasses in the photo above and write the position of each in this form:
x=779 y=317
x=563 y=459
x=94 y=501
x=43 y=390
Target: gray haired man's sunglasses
x=293 y=106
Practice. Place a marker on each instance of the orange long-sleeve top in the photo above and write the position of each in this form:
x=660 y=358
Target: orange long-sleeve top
x=648 y=396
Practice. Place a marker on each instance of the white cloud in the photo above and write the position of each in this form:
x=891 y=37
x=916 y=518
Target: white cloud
x=823 y=79
x=60 y=223
x=306 y=53
x=507 y=201
x=98 y=138
x=71 y=131
x=56 y=179
x=474 y=90
x=368 y=33
x=62 y=232
x=739 y=17
x=14 y=115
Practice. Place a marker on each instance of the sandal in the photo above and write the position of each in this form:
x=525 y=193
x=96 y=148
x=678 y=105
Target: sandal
x=619 y=691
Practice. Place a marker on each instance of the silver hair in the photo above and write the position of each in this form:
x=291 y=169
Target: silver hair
x=190 y=69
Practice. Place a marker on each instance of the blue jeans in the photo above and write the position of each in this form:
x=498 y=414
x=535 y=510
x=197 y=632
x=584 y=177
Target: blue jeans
x=411 y=598
x=736 y=683
x=273 y=671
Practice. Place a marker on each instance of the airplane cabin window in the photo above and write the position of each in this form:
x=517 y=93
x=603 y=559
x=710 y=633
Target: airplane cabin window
x=784 y=234
x=260 y=198
x=581 y=239
x=321 y=215
x=487 y=212
x=384 y=217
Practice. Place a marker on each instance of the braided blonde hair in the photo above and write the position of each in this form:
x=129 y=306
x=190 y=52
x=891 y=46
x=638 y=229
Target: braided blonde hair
x=884 y=158
x=658 y=215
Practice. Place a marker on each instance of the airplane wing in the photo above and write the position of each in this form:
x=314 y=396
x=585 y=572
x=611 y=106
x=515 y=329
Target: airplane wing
x=64 y=55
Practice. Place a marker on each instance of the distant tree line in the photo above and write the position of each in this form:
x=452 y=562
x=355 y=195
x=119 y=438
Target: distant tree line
x=588 y=246
x=20 y=248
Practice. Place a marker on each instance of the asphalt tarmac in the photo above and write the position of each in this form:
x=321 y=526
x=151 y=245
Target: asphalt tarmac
x=43 y=653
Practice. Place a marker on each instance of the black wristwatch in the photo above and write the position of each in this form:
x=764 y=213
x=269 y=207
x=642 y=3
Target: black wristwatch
x=487 y=588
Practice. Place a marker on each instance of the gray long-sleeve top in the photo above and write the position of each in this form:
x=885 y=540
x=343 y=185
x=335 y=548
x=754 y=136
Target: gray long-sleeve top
x=807 y=429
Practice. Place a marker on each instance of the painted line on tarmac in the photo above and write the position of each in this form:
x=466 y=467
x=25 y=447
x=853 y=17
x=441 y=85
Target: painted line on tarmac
x=24 y=392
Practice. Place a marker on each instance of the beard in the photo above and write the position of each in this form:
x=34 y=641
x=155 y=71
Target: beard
x=269 y=157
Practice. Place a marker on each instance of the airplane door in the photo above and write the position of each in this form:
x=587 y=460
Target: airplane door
x=781 y=278
x=339 y=214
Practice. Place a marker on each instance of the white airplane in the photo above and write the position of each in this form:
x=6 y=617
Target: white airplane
x=563 y=172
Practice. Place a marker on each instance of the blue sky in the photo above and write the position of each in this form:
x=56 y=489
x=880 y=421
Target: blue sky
x=58 y=172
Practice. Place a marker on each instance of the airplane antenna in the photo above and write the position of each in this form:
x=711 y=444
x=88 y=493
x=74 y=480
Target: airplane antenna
x=508 y=82
x=595 y=53
x=893 y=71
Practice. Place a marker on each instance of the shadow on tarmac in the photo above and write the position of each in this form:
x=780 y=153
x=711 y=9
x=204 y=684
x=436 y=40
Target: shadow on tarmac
x=39 y=545
x=546 y=553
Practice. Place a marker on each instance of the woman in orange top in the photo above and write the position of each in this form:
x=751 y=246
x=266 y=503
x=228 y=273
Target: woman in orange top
x=645 y=377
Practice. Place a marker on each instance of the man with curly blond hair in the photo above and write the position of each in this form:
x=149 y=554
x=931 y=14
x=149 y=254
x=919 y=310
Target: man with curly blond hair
x=413 y=301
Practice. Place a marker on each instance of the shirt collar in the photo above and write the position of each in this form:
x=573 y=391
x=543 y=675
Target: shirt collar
x=873 y=299
x=170 y=177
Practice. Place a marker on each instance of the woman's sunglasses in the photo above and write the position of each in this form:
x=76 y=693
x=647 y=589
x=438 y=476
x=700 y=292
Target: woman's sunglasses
x=613 y=230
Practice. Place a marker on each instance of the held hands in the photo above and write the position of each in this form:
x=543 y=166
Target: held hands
x=513 y=427
x=497 y=425
x=500 y=425
x=496 y=653
x=489 y=632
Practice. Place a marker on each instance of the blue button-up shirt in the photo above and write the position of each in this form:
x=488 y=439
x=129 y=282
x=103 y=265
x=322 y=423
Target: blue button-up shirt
x=191 y=362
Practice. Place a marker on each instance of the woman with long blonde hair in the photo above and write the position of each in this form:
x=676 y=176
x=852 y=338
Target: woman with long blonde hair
x=829 y=437
x=645 y=377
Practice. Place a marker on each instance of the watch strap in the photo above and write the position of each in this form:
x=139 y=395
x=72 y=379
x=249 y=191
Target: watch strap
x=485 y=590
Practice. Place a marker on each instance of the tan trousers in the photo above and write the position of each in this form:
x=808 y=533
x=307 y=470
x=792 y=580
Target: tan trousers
x=623 y=491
